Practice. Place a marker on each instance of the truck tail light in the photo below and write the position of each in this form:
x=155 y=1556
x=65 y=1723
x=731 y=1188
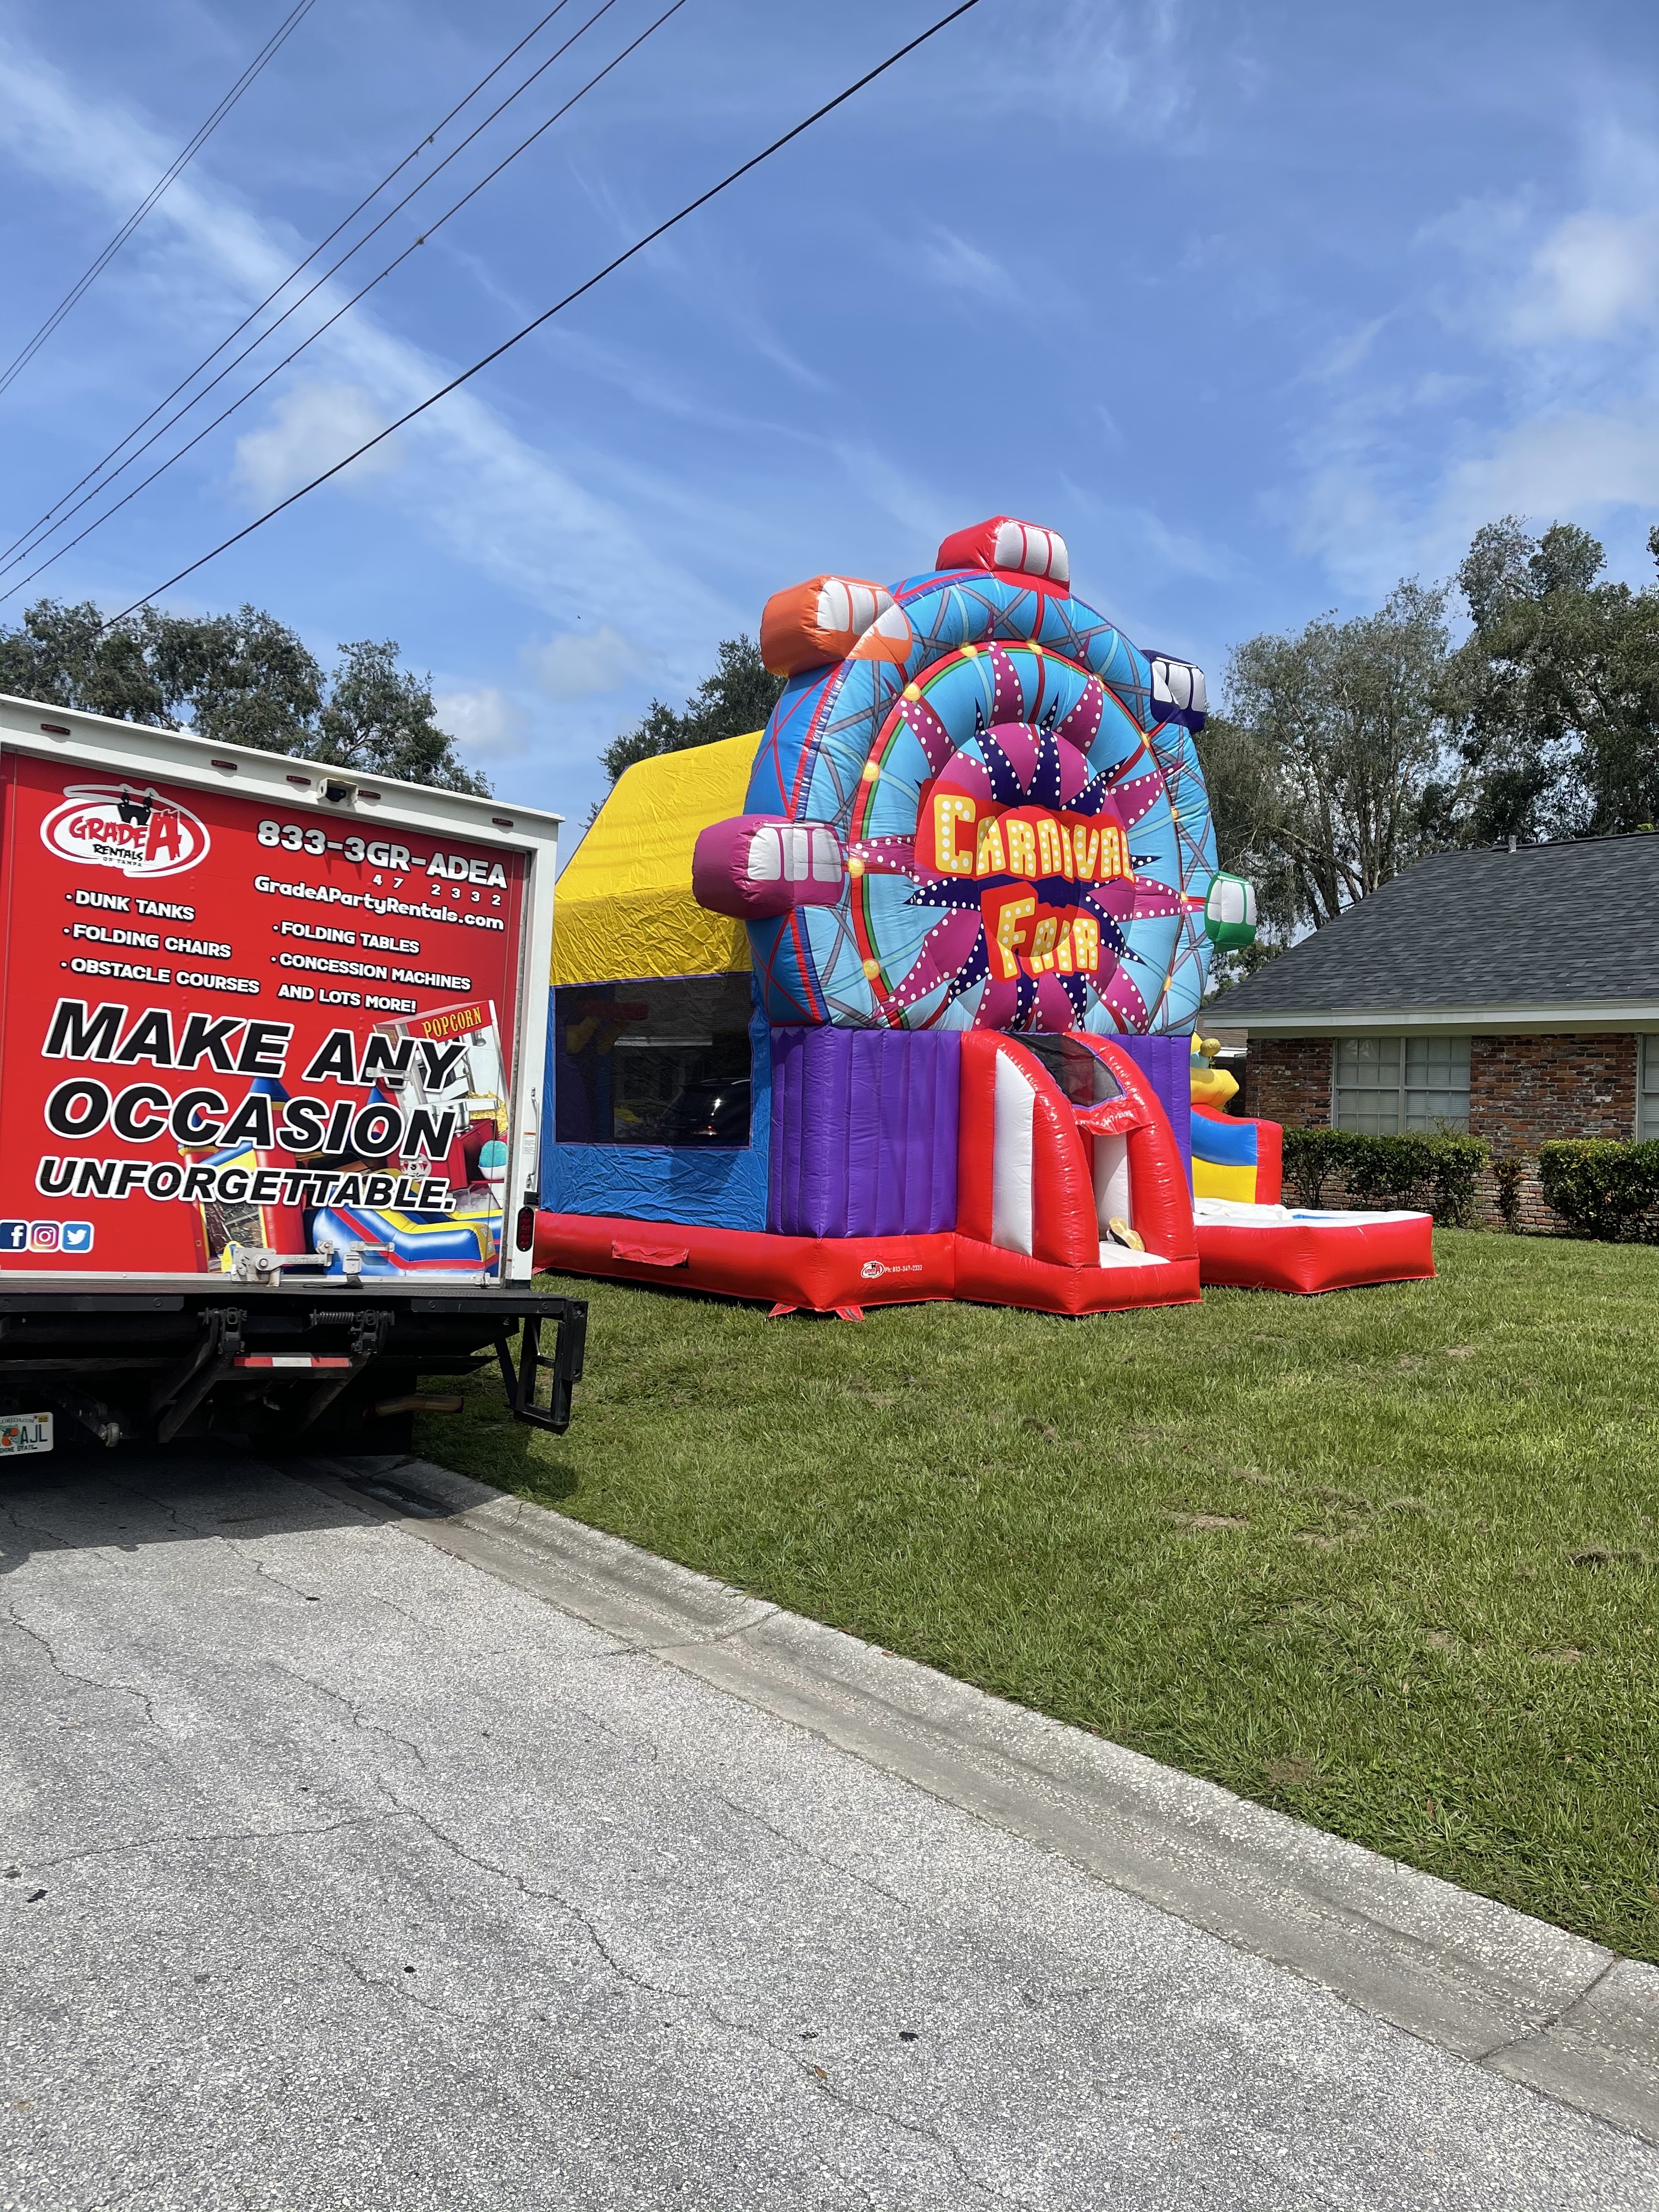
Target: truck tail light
x=524 y=1230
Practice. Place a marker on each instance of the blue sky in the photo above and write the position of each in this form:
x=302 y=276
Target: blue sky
x=1261 y=309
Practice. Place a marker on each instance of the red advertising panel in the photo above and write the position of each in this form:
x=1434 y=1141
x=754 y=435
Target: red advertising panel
x=226 y=1027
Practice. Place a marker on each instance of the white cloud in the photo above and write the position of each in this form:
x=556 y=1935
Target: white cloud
x=1178 y=550
x=470 y=484
x=1594 y=274
x=308 y=430
x=1558 y=466
x=1339 y=514
x=707 y=278
x=1094 y=62
x=1529 y=281
x=952 y=262
x=1567 y=467
x=487 y=722
x=1487 y=231
x=1559 y=419
x=908 y=499
x=580 y=665
x=1345 y=355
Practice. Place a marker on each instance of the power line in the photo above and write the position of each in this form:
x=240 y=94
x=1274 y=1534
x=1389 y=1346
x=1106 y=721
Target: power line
x=38 y=532
x=83 y=283
x=559 y=306
x=321 y=246
x=397 y=261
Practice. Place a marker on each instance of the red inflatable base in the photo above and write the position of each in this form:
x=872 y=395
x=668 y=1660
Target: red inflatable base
x=827 y=1274
x=989 y=1276
x=1336 y=1252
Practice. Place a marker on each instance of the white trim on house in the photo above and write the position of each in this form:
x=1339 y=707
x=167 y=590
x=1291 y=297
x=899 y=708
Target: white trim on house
x=1619 y=1017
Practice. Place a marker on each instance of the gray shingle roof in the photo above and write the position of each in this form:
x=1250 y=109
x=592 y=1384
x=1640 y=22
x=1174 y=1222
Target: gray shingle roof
x=1570 y=924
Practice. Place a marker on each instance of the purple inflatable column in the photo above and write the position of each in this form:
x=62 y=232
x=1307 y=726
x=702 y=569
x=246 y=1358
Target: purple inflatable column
x=863 y=1132
x=1165 y=1063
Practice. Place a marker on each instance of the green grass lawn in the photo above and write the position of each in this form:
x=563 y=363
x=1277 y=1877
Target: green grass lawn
x=1385 y=1558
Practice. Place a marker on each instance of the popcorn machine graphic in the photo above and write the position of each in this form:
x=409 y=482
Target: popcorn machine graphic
x=472 y=1090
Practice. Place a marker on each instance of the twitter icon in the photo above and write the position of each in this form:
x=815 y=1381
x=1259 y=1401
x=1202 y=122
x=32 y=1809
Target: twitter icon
x=77 y=1236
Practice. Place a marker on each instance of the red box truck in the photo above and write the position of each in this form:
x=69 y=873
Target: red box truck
x=272 y=1037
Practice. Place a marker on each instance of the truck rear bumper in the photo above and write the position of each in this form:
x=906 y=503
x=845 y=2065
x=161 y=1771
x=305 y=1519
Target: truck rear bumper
x=186 y=1356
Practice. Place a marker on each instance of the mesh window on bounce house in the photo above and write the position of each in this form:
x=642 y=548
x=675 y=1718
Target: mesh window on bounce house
x=895 y=999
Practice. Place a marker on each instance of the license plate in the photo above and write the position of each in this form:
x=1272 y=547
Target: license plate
x=24 y=1433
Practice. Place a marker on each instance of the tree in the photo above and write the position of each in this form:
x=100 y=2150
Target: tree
x=1556 y=689
x=68 y=657
x=1326 y=769
x=380 y=718
x=1246 y=805
x=243 y=679
x=736 y=698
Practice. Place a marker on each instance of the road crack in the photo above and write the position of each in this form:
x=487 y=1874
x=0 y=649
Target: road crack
x=1556 y=2019
x=310 y=1597
x=33 y=1537
x=68 y=1675
x=213 y=1836
x=727 y=1635
x=985 y=2191
x=806 y=1851
x=574 y=1912
x=354 y=1707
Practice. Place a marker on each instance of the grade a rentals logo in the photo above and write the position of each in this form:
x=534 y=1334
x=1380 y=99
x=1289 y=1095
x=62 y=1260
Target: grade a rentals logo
x=873 y=1270
x=114 y=826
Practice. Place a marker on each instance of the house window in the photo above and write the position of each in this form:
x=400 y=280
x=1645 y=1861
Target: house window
x=1647 y=1103
x=1385 y=1084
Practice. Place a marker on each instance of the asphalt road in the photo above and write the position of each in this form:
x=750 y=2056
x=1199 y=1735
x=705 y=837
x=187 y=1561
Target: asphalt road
x=339 y=1876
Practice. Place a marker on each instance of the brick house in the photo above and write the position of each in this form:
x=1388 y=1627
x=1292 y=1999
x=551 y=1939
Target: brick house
x=1514 y=994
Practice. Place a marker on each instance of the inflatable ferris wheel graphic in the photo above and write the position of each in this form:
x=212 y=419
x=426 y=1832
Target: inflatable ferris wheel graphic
x=976 y=805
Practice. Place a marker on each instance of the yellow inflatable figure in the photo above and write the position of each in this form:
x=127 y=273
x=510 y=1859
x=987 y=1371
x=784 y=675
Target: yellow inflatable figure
x=1211 y=1086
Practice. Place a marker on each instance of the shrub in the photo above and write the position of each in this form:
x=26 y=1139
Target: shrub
x=1392 y=1171
x=1436 y=1173
x=1509 y=1172
x=1458 y=1161
x=1601 y=1188
x=1312 y=1156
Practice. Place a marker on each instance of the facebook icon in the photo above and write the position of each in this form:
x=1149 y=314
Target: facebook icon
x=14 y=1235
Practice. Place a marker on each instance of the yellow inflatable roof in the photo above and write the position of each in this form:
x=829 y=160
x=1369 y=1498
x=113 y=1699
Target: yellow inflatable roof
x=623 y=905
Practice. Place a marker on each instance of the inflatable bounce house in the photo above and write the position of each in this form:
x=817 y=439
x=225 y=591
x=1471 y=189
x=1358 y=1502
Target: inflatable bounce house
x=894 y=999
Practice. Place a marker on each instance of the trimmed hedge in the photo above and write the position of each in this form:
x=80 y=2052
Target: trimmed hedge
x=1420 y=1173
x=1509 y=1172
x=1601 y=1188
x=1312 y=1156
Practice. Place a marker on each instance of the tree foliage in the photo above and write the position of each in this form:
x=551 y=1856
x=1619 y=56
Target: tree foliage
x=1556 y=691
x=1350 y=749
x=243 y=679
x=736 y=698
x=1323 y=769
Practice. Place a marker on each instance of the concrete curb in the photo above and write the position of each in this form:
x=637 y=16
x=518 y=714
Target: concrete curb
x=1561 y=2015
